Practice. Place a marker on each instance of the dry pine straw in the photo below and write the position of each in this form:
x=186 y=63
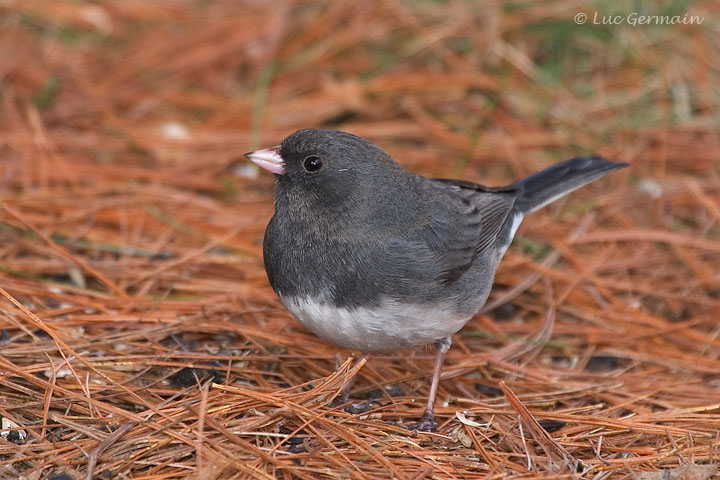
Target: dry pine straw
x=140 y=338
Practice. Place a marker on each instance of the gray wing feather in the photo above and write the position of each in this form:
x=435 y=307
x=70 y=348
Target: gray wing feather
x=464 y=227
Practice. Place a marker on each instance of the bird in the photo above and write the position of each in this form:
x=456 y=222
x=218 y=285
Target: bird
x=374 y=258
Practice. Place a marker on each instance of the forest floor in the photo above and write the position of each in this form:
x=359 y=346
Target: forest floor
x=140 y=338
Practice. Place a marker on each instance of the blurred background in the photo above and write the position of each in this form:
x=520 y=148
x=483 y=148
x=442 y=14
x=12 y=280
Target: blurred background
x=131 y=226
x=190 y=85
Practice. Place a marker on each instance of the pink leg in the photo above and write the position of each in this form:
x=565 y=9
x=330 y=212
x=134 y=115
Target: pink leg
x=344 y=395
x=427 y=421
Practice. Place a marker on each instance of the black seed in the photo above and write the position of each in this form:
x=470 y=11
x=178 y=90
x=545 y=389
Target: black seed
x=487 y=390
x=41 y=333
x=59 y=476
x=598 y=363
x=552 y=425
x=186 y=376
x=295 y=440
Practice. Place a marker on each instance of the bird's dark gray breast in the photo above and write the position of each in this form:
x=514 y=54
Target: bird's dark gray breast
x=340 y=268
x=305 y=261
x=361 y=268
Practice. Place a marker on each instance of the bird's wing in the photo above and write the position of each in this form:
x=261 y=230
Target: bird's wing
x=463 y=227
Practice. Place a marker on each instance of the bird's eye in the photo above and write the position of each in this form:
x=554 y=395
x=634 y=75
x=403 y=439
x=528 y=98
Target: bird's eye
x=312 y=163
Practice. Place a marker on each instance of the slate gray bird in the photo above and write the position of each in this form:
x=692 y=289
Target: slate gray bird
x=374 y=258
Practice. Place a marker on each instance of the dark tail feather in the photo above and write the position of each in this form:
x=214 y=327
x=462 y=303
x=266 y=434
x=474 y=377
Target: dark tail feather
x=548 y=185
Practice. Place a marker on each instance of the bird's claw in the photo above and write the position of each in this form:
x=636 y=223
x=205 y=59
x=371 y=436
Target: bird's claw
x=425 y=424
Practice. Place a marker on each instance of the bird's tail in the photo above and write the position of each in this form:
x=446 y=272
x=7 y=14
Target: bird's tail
x=548 y=185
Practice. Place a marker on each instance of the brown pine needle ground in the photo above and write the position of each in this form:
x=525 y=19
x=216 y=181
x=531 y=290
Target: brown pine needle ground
x=139 y=336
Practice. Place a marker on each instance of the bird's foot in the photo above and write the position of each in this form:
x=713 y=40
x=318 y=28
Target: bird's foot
x=426 y=423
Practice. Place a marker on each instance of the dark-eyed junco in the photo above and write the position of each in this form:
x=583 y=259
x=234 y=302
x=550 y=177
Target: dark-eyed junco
x=374 y=258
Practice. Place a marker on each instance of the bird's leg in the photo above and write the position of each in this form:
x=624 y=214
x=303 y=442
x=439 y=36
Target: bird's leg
x=427 y=422
x=344 y=395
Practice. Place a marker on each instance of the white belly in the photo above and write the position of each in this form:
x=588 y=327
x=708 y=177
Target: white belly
x=391 y=326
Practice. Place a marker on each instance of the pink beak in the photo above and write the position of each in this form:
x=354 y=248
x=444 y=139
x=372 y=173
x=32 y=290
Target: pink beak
x=269 y=159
